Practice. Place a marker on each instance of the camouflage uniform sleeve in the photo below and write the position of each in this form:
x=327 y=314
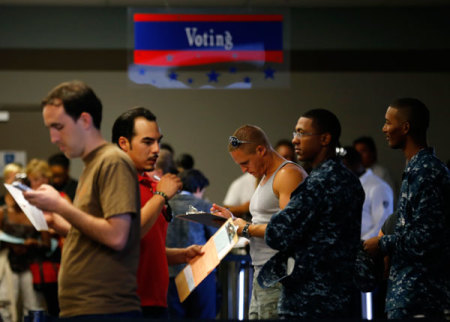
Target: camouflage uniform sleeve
x=424 y=233
x=287 y=227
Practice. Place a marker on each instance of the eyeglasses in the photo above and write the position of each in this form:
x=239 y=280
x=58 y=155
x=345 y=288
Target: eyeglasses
x=235 y=142
x=299 y=135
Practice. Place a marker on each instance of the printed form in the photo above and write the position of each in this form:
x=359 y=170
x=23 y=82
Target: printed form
x=35 y=215
x=215 y=249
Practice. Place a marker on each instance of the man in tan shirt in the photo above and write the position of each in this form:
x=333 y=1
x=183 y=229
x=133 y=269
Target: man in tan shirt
x=101 y=251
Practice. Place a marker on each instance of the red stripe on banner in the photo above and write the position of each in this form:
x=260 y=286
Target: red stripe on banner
x=152 y=17
x=189 y=58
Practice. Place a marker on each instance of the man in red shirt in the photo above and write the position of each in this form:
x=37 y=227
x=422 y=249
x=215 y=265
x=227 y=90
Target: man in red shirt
x=137 y=133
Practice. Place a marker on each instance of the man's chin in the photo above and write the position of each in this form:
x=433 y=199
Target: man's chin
x=394 y=145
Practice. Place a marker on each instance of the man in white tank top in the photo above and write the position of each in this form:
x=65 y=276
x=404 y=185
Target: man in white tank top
x=250 y=149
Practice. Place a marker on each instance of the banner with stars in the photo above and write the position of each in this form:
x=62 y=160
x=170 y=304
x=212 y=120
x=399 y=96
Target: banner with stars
x=208 y=50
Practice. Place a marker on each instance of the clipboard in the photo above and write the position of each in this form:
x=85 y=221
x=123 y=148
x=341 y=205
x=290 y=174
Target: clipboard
x=204 y=218
x=215 y=249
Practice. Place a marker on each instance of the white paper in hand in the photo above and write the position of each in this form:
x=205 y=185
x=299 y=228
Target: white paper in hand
x=35 y=215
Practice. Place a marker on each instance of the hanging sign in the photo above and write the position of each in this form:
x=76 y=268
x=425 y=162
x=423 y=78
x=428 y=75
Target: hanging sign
x=198 y=39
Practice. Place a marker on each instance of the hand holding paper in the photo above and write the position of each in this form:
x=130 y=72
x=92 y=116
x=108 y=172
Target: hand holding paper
x=192 y=251
x=45 y=198
x=177 y=256
x=35 y=215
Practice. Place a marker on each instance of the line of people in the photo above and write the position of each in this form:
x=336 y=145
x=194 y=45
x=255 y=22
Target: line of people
x=305 y=231
x=31 y=257
x=318 y=231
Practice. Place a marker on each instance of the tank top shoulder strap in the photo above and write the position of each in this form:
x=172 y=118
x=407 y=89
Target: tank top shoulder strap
x=272 y=177
x=282 y=165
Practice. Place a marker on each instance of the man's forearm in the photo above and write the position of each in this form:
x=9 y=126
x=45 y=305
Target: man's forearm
x=112 y=232
x=175 y=256
x=60 y=225
x=150 y=212
x=257 y=230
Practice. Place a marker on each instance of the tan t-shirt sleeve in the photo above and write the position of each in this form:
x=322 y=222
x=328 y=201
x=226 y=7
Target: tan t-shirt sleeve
x=120 y=191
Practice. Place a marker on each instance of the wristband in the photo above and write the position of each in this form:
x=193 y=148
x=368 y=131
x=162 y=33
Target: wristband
x=162 y=194
x=245 y=233
x=168 y=213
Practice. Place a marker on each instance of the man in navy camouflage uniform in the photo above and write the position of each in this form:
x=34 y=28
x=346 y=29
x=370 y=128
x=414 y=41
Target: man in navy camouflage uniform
x=419 y=283
x=318 y=232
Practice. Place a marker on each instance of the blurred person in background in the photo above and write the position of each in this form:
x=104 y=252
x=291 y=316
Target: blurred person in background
x=46 y=267
x=286 y=149
x=185 y=162
x=201 y=303
x=61 y=180
x=23 y=249
x=366 y=147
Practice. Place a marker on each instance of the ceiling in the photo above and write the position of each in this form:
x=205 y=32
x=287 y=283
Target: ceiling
x=229 y=3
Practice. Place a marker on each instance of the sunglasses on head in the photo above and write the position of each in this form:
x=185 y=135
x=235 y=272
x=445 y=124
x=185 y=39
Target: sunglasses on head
x=235 y=142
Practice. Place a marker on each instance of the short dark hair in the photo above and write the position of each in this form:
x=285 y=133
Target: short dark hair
x=289 y=145
x=284 y=142
x=368 y=141
x=351 y=156
x=185 y=161
x=167 y=146
x=77 y=98
x=416 y=113
x=59 y=159
x=165 y=162
x=193 y=179
x=325 y=121
x=124 y=124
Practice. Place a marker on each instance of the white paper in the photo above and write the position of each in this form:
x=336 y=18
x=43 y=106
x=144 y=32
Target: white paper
x=223 y=239
x=35 y=215
x=189 y=277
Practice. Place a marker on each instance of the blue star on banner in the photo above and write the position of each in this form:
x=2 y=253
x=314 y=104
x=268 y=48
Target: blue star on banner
x=269 y=73
x=222 y=76
x=213 y=76
x=173 y=76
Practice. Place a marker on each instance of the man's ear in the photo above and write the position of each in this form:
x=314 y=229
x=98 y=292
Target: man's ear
x=325 y=139
x=406 y=127
x=86 y=119
x=124 y=144
x=261 y=150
